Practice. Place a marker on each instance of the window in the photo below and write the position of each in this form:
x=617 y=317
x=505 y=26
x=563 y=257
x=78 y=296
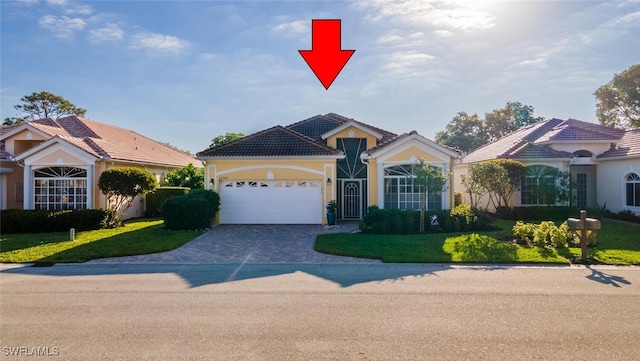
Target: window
x=538 y=186
x=350 y=167
x=632 y=185
x=60 y=188
x=581 y=189
x=400 y=192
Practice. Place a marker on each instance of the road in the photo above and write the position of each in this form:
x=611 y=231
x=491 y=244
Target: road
x=319 y=312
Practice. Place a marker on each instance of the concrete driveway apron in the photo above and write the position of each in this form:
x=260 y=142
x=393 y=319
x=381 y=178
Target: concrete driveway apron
x=251 y=244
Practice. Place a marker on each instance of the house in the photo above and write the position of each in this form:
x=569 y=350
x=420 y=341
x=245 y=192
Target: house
x=287 y=174
x=604 y=163
x=56 y=163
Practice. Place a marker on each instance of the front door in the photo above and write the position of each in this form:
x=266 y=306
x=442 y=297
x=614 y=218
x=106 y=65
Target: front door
x=351 y=204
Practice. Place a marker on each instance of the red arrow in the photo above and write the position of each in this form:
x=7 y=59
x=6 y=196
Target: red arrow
x=326 y=57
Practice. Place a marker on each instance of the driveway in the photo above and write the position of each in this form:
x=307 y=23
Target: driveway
x=250 y=244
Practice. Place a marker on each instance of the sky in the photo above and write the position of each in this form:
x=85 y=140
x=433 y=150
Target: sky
x=184 y=72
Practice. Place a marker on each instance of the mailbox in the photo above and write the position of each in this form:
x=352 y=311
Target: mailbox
x=577 y=224
x=583 y=224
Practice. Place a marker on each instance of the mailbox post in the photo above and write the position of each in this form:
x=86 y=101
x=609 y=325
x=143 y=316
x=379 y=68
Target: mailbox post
x=583 y=225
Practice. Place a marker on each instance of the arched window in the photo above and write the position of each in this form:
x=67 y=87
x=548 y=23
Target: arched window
x=60 y=188
x=632 y=186
x=538 y=185
x=401 y=192
x=582 y=153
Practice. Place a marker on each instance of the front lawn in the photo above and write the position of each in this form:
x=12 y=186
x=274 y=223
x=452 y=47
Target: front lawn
x=140 y=236
x=617 y=243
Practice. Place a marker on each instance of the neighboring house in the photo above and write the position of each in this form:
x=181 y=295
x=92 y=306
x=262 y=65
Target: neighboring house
x=56 y=163
x=604 y=163
x=287 y=174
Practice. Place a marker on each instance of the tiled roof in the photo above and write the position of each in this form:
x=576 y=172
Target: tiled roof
x=317 y=125
x=528 y=150
x=104 y=140
x=528 y=141
x=273 y=142
x=4 y=130
x=629 y=145
x=576 y=130
x=387 y=143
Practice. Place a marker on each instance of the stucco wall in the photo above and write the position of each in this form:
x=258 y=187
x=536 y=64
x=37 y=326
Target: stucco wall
x=318 y=169
x=611 y=182
x=514 y=201
x=357 y=133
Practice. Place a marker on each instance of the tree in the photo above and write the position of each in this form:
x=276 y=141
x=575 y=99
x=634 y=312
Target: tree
x=121 y=186
x=223 y=139
x=508 y=119
x=188 y=176
x=515 y=171
x=430 y=180
x=497 y=178
x=468 y=132
x=43 y=105
x=486 y=178
x=465 y=132
x=618 y=101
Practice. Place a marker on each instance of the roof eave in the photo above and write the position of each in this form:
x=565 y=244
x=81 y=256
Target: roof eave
x=618 y=157
x=348 y=124
x=230 y=157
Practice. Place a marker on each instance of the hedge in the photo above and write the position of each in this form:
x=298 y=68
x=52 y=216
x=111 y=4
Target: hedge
x=545 y=213
x=156 y=198
x=397 y=221
x=39 y=221
x=194 y=210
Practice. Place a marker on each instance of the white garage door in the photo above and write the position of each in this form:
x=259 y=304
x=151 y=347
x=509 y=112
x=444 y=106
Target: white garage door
x=271 y=202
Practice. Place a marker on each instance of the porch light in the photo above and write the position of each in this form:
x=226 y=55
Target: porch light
x=212 y=182
x=329 y=181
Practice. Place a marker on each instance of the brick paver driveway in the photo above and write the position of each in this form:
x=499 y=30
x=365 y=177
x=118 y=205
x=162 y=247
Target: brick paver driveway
x=250 y=244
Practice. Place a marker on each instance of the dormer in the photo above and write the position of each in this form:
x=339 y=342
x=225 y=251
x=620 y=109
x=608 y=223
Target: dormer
x=352 y=129
x=22 y=139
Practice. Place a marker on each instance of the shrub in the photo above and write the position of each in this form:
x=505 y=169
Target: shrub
x=540 y=213
x=397 y=221
x=627 y=215
x=457 y=199
x=546 y=234
x=156 y=199
x=194 y=210
x=41 y=220
x=121 y=186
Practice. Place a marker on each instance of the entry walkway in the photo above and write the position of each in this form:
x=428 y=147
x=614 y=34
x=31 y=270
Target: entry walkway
x=251 y=244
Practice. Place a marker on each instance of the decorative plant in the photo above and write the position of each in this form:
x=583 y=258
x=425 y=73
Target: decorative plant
x=332 y=207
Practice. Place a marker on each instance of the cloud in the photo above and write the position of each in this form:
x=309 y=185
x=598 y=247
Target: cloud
x=28 y=2
x=63 y=27
x=407 y=63
x=111 y=32
x=439 y=15
x=158 y=43
x=72 y=7
x=293 y=27
x=629 y=18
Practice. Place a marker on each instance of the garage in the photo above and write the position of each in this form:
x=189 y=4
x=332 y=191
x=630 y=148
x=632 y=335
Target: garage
x=271 y=202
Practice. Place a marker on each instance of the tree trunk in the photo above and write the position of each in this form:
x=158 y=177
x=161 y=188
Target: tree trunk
x=422 y=209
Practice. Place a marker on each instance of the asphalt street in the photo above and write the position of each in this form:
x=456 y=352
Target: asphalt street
x=318 y=312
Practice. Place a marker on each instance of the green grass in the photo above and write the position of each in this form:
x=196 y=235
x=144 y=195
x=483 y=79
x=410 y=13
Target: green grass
x=141 y=236
x=618 y=243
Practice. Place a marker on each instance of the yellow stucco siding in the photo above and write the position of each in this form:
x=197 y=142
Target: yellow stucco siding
x=373 y=183
x=260 y=168
x=357 y=133
x=415 y=152
x=276 y=169
x=451 y=176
